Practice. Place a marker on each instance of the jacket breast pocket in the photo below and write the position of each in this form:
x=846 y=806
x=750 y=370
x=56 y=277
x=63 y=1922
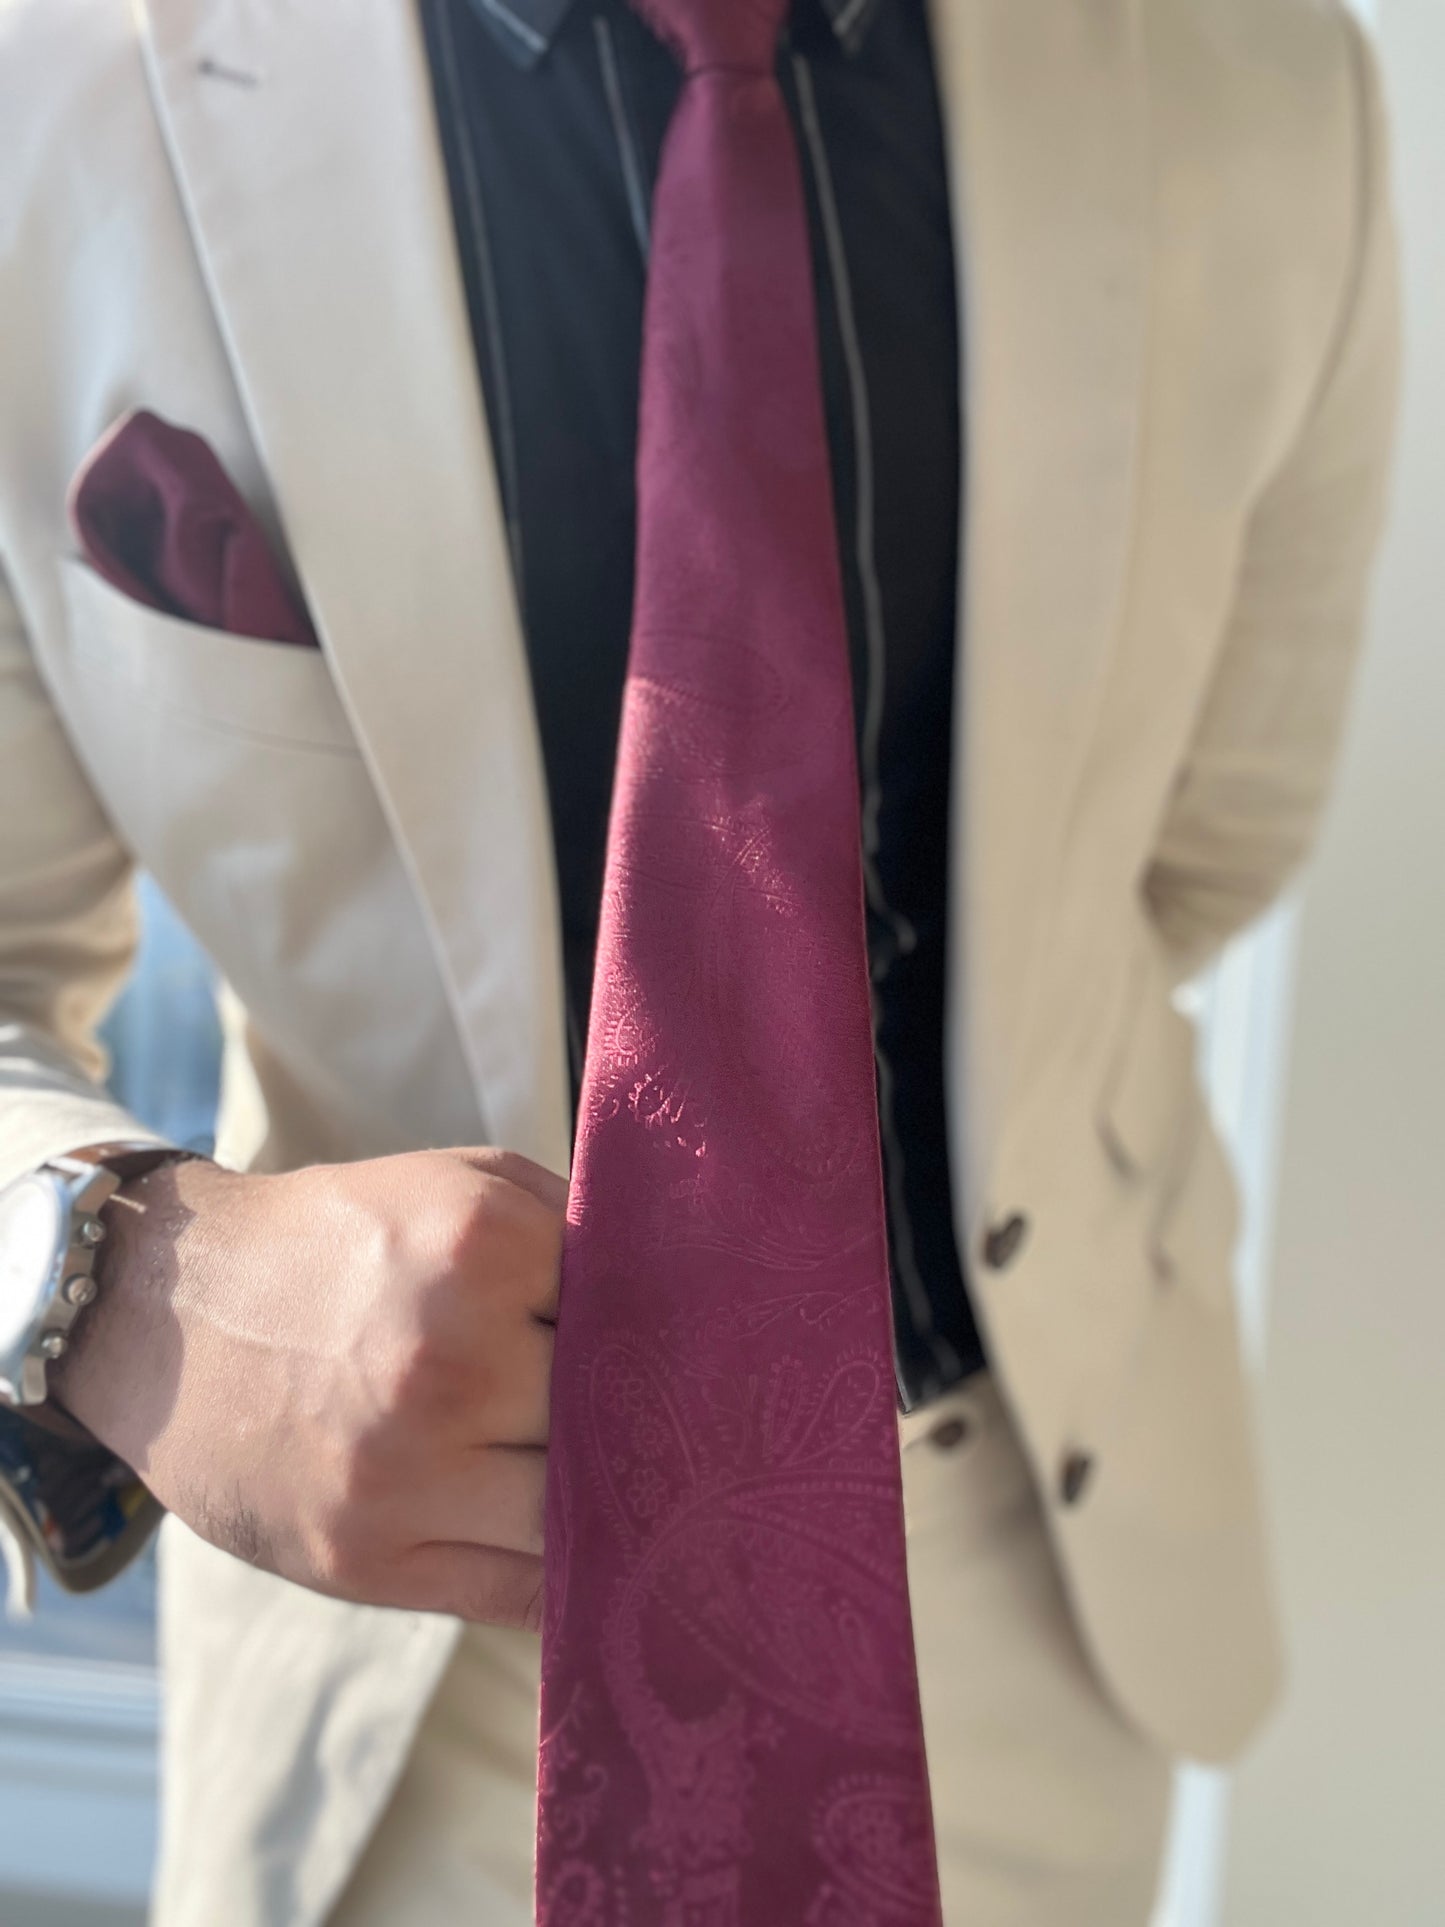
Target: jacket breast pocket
x=229 y=768
x=273 y=692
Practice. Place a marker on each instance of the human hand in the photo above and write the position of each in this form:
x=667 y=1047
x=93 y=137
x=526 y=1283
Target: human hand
x=339 y=1374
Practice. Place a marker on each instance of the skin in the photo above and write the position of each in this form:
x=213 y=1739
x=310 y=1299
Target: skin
x=339 y=1374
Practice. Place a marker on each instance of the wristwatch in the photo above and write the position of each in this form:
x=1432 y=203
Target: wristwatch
x=50 y=1229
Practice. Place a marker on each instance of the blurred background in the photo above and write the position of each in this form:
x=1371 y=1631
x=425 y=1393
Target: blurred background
x=1324 y=1045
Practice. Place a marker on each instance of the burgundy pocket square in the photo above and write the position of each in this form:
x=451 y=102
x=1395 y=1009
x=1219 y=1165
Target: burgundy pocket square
x=158 y=517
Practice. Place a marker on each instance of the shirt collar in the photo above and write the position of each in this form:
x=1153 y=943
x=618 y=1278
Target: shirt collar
x=527 y=28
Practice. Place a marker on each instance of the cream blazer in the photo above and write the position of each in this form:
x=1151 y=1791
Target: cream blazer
x=1180 y=330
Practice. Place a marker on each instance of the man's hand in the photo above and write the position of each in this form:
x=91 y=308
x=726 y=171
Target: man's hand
x=339 y=1374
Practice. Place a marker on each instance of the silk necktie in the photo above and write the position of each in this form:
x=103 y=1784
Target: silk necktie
x=730 y=1723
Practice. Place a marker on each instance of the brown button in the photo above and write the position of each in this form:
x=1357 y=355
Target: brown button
x=1078 y=1469
x=1002 y=1240
x=948 y=1433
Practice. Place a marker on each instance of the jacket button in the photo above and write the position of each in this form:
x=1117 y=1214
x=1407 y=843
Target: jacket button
x=948 y=1433
x=1002 y=1240
x=1077 y=1470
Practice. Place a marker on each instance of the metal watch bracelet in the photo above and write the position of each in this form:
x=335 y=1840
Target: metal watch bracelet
x=105 y=1167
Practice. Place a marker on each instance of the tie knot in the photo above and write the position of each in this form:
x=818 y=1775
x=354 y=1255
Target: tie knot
x=718 y=33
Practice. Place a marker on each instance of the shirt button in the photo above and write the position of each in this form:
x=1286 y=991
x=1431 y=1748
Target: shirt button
x=1078 y=1469
x=948 y=1433
x=1002 y=1240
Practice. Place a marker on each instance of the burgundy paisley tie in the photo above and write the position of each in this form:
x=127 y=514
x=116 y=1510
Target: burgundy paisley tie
x=730 y=1721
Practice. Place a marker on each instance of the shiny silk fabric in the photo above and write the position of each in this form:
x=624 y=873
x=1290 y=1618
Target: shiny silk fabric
x=730 y=1731
x=159 y=518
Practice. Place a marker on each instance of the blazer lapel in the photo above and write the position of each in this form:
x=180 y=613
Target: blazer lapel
x=1044 y=102
x=303 y=140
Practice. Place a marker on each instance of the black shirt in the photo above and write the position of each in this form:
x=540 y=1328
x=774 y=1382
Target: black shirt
x=552 y=114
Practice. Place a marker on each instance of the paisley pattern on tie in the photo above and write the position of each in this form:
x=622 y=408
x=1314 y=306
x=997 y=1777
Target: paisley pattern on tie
x=730 y=1725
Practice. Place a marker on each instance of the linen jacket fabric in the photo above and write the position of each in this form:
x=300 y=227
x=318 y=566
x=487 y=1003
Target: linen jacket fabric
x=1180 y=331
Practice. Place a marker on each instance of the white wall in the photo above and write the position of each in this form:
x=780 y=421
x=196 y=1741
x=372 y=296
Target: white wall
x=1339 y=1818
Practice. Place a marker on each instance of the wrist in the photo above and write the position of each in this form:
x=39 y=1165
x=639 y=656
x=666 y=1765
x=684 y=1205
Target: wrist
x=125 y=1339
x=50 y=1232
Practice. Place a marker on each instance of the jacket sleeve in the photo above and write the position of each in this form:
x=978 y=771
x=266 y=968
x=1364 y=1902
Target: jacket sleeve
x=1249 y=796
x=67 y=940
x=67 y=928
